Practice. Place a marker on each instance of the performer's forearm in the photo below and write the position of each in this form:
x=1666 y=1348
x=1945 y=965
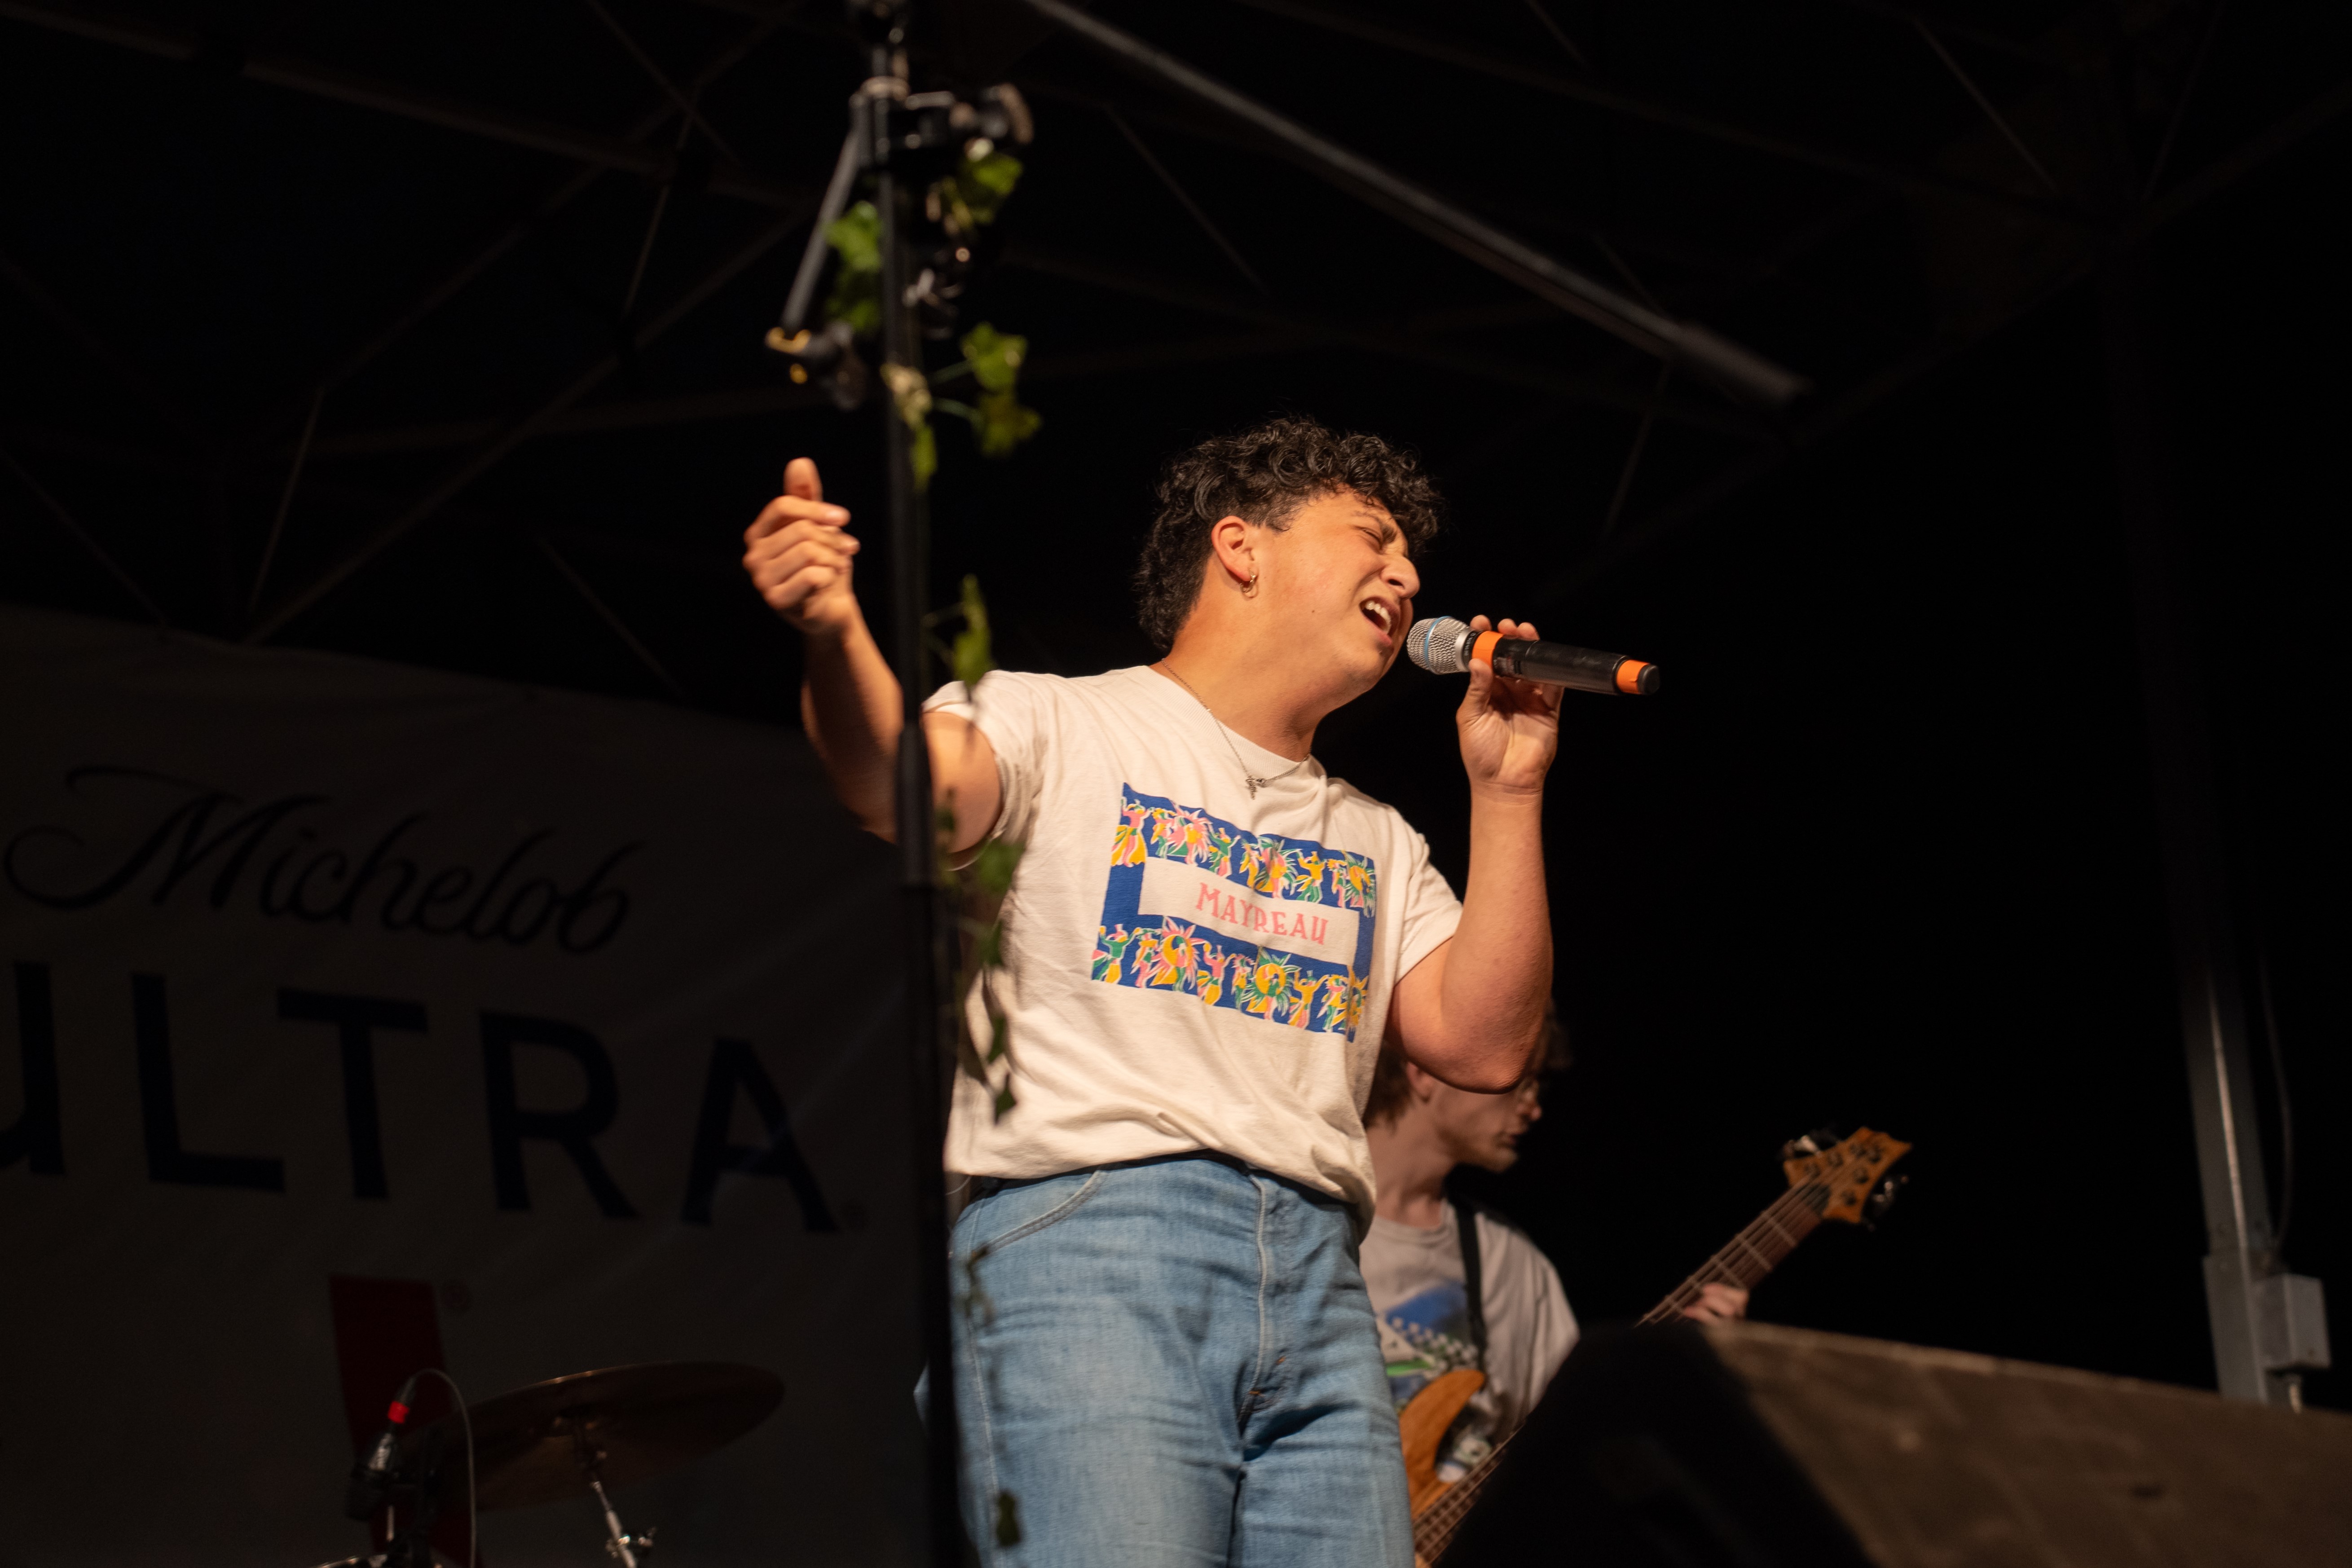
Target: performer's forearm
x=1498 y=966
x=853 y=710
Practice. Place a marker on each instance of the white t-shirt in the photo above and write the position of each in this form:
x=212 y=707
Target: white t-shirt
x=1185 y=967
x=1415 y=1281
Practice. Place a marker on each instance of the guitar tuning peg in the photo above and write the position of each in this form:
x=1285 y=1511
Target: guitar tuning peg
x=1812 y=1142
x=1882 y=1198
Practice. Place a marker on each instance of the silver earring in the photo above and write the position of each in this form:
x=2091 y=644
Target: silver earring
x=1249 y=589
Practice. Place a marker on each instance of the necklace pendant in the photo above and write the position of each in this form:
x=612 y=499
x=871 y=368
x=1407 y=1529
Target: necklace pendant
x=1252 y=783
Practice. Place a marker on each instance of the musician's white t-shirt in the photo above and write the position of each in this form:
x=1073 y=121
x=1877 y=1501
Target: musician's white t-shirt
x=1186 y=967
x=1414 y=1276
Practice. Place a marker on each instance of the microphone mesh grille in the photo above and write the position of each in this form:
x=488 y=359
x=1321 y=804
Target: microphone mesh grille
x=1439 y=645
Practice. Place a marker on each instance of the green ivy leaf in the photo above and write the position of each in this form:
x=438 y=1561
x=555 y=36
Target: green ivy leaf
x=992 y=868
x=1000 y=1038
x=856 y=297
x=1004 y=1101
x=995 y=357
x=997 y=174
x=943 y=822
x=1005 y=422
x=973 y=657
x=981 y=188
x=856 y=300
x=926 y=456
x=857 y=237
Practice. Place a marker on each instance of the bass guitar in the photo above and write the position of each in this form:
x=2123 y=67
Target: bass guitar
x=1829 y=1179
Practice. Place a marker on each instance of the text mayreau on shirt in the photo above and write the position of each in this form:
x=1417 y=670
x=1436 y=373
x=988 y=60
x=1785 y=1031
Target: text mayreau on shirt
x=1322 y=931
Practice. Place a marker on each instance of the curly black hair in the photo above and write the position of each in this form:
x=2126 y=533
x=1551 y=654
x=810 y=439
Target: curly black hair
x=1264 y=474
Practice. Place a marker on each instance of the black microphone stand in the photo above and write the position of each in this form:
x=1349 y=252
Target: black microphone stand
x=930 y=1056
x=901 y=140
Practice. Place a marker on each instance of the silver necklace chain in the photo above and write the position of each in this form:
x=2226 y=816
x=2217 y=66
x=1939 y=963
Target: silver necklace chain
x=1255 y=782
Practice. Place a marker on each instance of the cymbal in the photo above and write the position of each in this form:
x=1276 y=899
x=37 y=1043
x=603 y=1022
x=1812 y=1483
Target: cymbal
x=638 y=1422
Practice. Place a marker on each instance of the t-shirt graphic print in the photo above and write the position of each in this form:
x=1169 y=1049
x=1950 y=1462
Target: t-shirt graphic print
x=1277 y=927
x=1425 y=1335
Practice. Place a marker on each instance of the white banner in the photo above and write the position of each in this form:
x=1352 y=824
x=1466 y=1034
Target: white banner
x=348 y=1010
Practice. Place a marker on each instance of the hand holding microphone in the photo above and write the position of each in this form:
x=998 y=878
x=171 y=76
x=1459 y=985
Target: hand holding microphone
x=1444 y=646
x=1508 y=728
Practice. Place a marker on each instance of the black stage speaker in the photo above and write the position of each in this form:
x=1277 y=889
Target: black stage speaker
x=1748 y=1446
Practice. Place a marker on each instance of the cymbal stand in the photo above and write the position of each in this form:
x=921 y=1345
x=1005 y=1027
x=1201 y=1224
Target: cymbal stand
x=410 y=1503
x=629 y=1551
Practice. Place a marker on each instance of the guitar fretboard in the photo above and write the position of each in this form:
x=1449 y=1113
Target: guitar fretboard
x=1755 y=1252
x=1744 y=1261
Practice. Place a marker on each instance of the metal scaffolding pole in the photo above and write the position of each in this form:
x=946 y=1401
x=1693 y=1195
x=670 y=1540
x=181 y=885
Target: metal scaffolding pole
x=2267 y=1324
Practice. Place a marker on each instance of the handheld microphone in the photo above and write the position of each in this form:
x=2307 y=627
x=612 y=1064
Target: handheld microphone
x=1444 y=646
x=373 y=1471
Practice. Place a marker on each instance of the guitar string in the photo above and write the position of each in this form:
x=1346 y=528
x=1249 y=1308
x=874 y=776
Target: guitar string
x=1726 y=1268
x=1445 y=1516
x=1779 y=1245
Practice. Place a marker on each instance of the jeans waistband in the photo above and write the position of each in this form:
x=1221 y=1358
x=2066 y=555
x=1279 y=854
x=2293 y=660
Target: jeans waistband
x=983 y=1186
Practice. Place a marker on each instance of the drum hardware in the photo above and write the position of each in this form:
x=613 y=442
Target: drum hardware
x=588 y=1435
x=626 y=1549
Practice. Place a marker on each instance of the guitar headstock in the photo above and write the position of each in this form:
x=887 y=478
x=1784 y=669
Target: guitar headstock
x=1846 y=1171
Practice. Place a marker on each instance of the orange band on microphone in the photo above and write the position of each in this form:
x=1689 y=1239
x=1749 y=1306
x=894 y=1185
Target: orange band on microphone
x=1484 y=647
x=1628 y=676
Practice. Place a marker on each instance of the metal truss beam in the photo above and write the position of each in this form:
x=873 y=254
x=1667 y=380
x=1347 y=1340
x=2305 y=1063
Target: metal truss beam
x=81 y=536
x=1554 y=216
x=1657 y=112
x=1832 y=420
x=1732 y=367
x=422 y=309
x=1044 y=369
x=609 y=152
x=1398 y=345
x=133 y=380
x=491 y=452
x=724 y=177
x=2249 y=154
x=595 y=419
x=1982 y=37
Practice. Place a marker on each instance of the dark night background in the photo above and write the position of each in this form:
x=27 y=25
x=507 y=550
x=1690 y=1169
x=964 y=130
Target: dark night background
x=1885 y=853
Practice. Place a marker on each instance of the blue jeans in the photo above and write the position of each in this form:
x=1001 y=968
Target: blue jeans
x=1172 y=1364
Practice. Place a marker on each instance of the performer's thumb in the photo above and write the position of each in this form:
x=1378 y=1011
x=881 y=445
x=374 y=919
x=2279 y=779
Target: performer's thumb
x=801 y=481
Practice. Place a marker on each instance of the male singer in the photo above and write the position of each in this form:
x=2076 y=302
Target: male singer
x=1166 y=1355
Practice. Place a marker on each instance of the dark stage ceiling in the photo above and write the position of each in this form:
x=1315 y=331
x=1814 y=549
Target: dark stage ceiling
x=432 y=332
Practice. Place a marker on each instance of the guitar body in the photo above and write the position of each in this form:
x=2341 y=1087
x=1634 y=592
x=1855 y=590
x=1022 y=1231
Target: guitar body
x=1829 y=1178
x=1422 y=1424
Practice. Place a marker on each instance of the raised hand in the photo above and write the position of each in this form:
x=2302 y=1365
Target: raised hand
x=798 y=553
x=1509 y=729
